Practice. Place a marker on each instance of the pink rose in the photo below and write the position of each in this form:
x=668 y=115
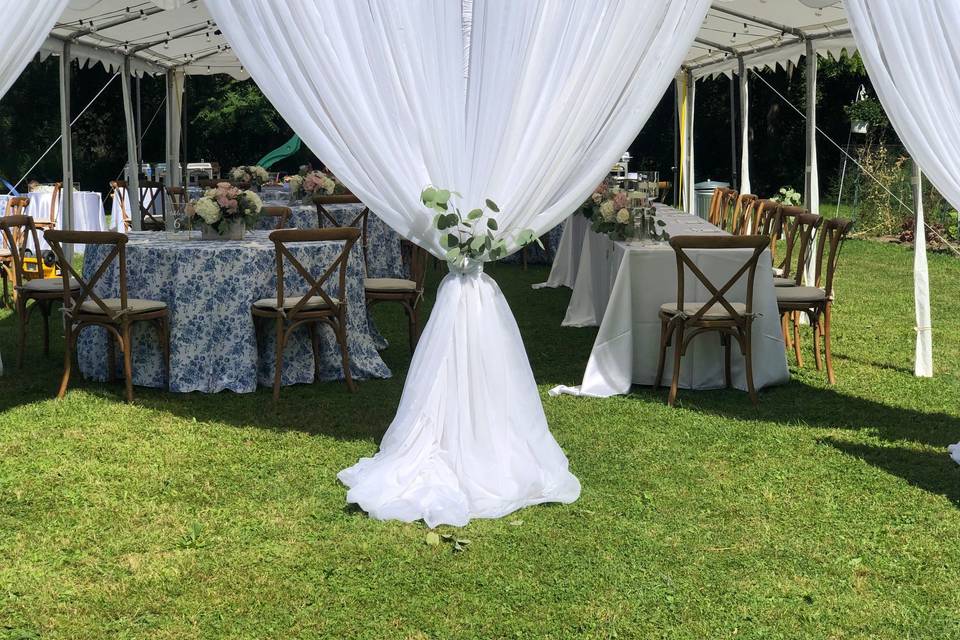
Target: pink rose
x=620 y=200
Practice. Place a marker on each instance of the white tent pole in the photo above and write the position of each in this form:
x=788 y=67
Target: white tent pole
x=744 y=129
x=690 y=195
x=133 y=181
x=923 y=357
x=66 y=146
x=811 y=187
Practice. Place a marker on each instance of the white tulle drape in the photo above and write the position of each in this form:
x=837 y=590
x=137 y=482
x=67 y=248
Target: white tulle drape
x=29 y=24
x=548 y=97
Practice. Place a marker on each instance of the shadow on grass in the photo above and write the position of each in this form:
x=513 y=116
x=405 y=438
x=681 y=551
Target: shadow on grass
x=933 y=472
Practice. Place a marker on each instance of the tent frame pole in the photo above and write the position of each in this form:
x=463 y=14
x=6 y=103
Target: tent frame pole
x=745 y=186
x=923 y=354
x=66 y=146
x=734 y=156
x=133 y=177
x=811 y=187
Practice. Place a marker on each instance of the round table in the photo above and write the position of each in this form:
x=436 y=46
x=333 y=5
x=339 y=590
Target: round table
x=209 y=287
x=301 y=216
x=87 y=211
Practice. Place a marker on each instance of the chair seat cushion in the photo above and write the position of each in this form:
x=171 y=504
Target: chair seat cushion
x=48 y=285
x=715 y=312
x=390 y=284
x=314 y=303
x=784 y=282
x=801 y=294
x=134 y=305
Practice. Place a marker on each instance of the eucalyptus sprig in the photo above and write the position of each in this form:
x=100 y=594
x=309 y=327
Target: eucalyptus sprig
x=463 y=236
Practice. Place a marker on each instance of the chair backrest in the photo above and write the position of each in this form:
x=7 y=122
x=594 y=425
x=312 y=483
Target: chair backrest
x=831 y=236
x=71 y=303
x=17 y=206
x=17 y=231
x=359 y=220
x=416 y=258
x=283 y=237
x=153 y=204
x=799 y=234
x=682 y=244
x=722 y=206
x=743 y=214
x=282 y=214
x=118 y=189
x=55 y=202
x=178 y=199
x=766 y=222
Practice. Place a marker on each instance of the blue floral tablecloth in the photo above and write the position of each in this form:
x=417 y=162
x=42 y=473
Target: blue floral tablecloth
x=209 y=287
x=536 y=255
x=301 y=217
x=384 y=259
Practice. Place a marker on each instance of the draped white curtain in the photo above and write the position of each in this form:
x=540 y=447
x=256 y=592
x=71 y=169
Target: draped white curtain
x=29 y=23
x=911 y=52
x=532 y=114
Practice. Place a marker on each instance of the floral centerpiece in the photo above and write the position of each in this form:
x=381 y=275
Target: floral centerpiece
x=624 y=216
x=225 y=212
x=256 y=175
x=309 y=182
x=591 y=205
x=467 y=242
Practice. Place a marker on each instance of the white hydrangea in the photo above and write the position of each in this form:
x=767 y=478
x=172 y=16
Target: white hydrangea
x=254 y=199
x=261 y=174
x=623 y=216
x=607 y=211
x=208 y=210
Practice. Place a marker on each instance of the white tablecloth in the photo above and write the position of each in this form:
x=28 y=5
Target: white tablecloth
x=87 y=211
x=563 y=273
x=643 y=277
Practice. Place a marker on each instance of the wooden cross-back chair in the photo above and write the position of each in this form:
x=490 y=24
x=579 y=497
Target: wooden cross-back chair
x=280 y=214
x=315 y=306
x=51 y=221
x=19 y=231
x=153 y=205
x=766 y=222
x=721 y=206
x=359 y=221
x=796 y=225
x=178 y=200
x=83 y=307
x=16 y=206
x=817 y=301
x=408 y=293
x=682 y=321
x=743 y=214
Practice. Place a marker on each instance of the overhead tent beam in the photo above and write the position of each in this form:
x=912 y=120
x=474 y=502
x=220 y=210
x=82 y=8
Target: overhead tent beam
x=115 y=23
x=751 y=52
x=767 y=23
x=109 y=57
x=716 y=45
x=180 y=34
x=133 y=177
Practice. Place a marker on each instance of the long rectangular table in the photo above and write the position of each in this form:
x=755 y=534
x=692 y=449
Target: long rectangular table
x=623 y=285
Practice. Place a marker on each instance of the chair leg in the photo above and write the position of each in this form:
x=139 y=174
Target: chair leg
x=795 y=318
x=785 y=328
x=677 y=353
x=127 y=360
x=278 y=361
x=817 y=330
x=345 y=353
x=748 y=365
x=828 y=350
x=67 y=361
x=411 y=312
x=664 y=342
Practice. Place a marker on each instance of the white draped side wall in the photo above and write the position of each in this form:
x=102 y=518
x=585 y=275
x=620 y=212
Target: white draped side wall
x=553 y=94
x=29 y=25
x=911 y=52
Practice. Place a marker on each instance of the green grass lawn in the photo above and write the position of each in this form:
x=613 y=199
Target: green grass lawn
x=828 y=512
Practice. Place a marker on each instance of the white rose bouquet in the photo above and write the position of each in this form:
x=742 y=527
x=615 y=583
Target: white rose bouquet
x=613 y=215
x=224 y=206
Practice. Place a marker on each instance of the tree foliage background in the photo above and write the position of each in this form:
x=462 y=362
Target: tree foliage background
x=232 y=123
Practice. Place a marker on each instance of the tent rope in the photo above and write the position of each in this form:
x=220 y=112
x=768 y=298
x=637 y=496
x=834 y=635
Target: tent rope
x=856 y=162
x=60 y=137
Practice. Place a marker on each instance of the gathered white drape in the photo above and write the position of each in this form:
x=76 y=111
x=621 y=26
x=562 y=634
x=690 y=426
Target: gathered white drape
x=532 y=114
x=30 y=24
x=911 y=53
